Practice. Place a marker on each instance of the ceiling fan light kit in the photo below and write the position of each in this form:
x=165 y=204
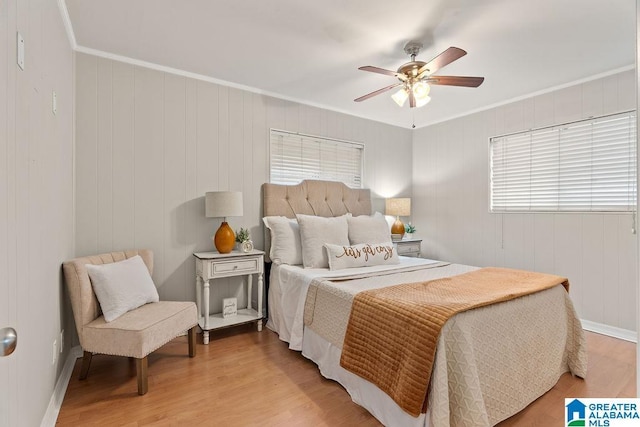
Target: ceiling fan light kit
x=420 y=91
x=417 y=76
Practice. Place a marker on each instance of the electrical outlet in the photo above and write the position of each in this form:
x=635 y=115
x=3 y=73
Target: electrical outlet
x=61 y=341
x=54 y=355
x=54 y=102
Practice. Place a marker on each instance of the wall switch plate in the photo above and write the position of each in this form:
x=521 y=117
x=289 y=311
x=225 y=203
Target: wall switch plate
x=54 y=354
x=20 y=48
x=54 y=102
x=61 y=340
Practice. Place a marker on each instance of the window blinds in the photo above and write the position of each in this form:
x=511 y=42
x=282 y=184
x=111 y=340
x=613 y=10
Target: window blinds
x=295 y=157
x=582 y=166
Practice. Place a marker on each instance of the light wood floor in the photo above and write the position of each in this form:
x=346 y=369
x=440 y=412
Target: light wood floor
x=246 y=378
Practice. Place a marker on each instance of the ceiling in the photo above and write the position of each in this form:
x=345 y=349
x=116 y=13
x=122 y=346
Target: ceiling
x=310 y=51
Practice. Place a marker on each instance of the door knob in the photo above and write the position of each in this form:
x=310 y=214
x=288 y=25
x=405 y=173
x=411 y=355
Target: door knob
x=9 y=338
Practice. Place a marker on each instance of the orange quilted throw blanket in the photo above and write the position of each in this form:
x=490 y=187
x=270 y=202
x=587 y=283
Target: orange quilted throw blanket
x=392 y=333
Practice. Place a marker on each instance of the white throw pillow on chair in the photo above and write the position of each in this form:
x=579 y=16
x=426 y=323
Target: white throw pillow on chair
x=122 y=286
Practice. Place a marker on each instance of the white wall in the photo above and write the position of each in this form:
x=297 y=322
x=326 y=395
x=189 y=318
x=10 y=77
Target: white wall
x=150 y=144
x=36 y=203
x=597 y=252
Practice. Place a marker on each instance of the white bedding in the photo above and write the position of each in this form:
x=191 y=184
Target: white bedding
x=378 y=403
x=465 y=342
x=288 y=285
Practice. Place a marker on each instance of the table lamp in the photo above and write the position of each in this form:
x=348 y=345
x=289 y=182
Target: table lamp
x=221 y=204
x=398 y=207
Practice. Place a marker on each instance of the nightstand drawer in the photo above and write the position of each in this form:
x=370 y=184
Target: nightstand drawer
x=244 y=266
x=408 y=248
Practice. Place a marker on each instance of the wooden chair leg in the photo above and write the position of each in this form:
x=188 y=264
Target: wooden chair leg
x=141 y=367
x=192 y=342
x=86 y=362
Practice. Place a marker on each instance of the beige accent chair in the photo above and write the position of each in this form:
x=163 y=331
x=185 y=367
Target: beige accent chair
x=134 y=334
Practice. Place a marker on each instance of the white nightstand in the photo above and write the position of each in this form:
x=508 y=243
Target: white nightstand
x=214 y=265
x=409 y=247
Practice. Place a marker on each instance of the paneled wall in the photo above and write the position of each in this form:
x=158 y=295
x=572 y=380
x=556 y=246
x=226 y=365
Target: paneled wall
x=36 y=204
x=597 y=252
x=150 y=144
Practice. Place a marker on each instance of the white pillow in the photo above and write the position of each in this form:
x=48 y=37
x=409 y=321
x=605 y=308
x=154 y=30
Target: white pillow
x=285 y=240
x=368 y=229
x=362 y=255
x=122 y=286
x=315 y=231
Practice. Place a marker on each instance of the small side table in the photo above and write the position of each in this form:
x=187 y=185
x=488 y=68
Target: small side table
x=409 y=247
x=214 y=265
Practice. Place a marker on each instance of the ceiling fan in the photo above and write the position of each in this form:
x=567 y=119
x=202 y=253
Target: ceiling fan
x=416 y=76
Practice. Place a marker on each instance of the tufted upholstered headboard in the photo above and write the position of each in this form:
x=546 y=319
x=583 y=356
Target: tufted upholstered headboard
x=312 y=197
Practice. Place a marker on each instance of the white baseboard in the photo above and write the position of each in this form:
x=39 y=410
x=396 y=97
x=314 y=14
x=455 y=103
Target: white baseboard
x=51 y=416
x=612 y=331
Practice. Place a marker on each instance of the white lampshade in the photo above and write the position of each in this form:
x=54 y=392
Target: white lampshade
x=421 y=90
x=221 y=204
x=400 y=97
x=398 y=206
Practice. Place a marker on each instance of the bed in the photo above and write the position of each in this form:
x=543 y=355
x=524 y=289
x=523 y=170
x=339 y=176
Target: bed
x=490 y=362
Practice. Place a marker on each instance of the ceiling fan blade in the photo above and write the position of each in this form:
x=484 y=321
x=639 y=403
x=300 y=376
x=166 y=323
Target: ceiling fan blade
x=378 y=70
x=445 y=58
x=412 y=99
x=455 y=81
x=377 y=92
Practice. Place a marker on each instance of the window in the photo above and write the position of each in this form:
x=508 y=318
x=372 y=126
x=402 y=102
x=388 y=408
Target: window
x=585 y=166
x=295 y=157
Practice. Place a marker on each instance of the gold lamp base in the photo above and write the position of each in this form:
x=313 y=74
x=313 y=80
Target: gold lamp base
x=398 y=228
x=225 y=238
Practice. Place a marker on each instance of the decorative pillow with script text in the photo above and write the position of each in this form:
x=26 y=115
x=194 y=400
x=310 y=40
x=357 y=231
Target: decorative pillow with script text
x=362 y=255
